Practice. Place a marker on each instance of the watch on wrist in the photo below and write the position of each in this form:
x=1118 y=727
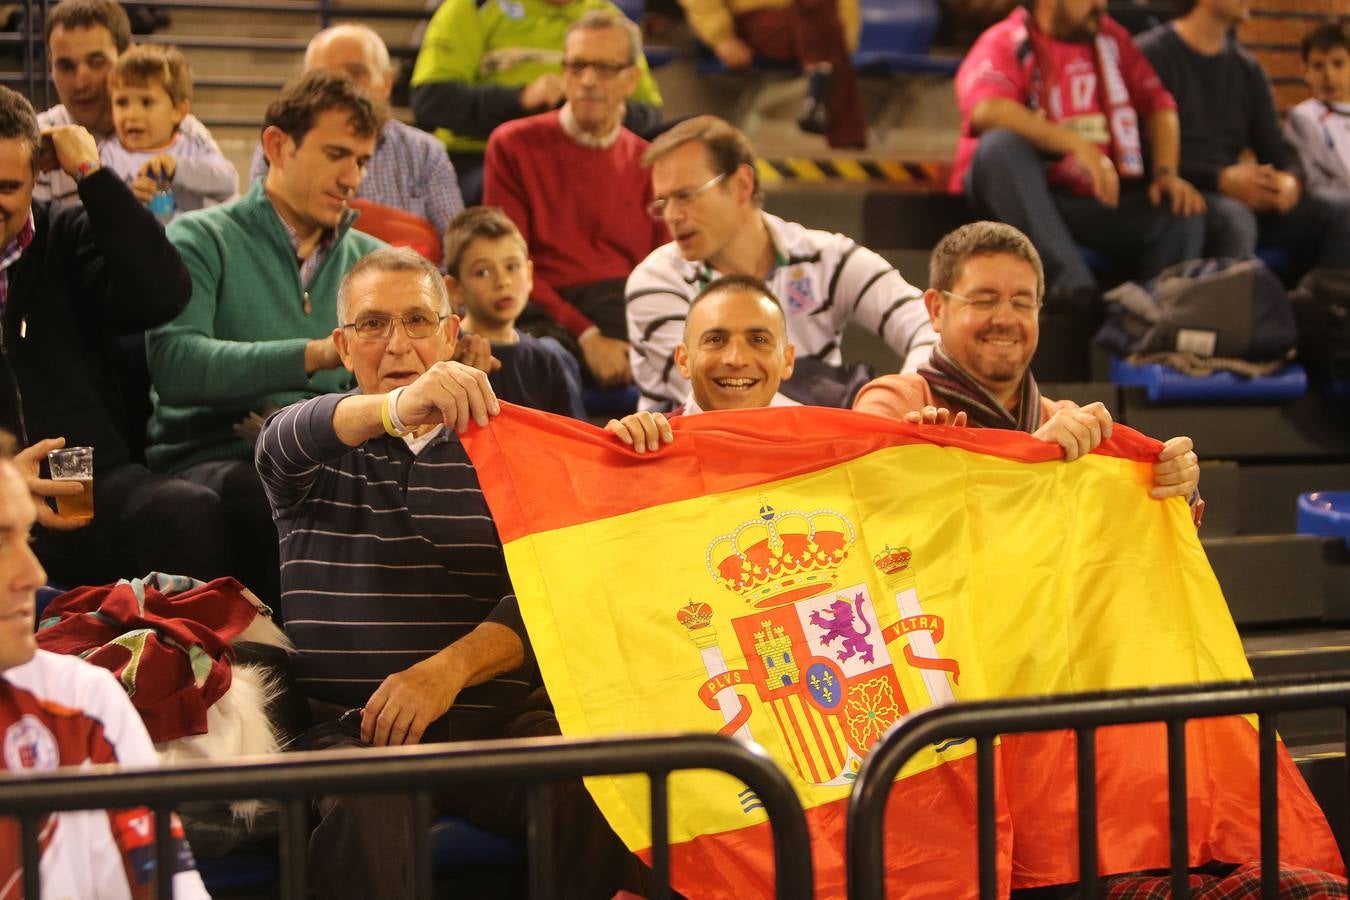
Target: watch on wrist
x=85 y=168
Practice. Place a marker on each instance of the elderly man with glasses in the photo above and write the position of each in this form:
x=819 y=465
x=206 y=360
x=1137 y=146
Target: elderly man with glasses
x=395 y=589
x=572 y=180
x=986 y=284
x=707 y=192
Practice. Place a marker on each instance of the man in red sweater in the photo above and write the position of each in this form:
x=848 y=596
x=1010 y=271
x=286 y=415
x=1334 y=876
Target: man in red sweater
x=572 y=181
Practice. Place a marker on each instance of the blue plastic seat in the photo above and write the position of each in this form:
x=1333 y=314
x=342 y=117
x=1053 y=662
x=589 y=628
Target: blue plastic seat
x=897 y=34
x=1325 y=513
x=1167 y=385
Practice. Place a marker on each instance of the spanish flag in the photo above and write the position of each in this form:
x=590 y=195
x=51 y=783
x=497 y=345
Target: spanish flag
x=805 y=578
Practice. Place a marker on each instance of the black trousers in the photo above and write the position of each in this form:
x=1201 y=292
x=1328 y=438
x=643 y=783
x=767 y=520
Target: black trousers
x=253 y=548
x=142 y=522
x=361 y=844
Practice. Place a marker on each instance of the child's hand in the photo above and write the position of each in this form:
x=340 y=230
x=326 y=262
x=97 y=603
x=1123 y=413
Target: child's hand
x=160 y=167
x=143 y=188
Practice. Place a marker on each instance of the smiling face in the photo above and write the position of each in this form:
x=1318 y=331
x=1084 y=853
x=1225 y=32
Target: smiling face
x=735 y=351
x=16 y=187
x=145 y=116
x=384 y=364
x=1328 y=74
x=81 y=59
x=494 y=282
x=20 y=572
x=995 y=347
x=310 y=183
x=702 y=225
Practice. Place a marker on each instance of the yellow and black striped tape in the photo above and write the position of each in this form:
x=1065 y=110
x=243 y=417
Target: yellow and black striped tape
x=796 y=168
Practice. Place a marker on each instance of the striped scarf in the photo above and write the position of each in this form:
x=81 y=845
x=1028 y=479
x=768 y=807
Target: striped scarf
x=960 y=391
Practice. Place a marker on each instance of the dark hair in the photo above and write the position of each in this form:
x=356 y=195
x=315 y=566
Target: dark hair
x=1325 y=37
x=728 y=148
x=88 y=14
x=476 y=222
x=163 y=65
x=728 y=283
x=17 y=120
x=980 y=239
x=305 y=98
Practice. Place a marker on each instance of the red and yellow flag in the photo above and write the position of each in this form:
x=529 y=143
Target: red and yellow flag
x=807 y=577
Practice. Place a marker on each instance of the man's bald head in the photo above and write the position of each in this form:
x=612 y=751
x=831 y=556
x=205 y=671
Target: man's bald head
x=356 y=50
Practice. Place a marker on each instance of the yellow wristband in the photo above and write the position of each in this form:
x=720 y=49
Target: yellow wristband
x=384 y=417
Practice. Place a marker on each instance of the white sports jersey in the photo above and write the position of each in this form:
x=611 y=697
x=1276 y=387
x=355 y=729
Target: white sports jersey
x=61 y=711
x=1320 y=132
x=823 y=279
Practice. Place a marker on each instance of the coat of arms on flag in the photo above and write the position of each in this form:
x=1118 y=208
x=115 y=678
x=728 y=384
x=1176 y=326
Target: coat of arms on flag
x=812 y=649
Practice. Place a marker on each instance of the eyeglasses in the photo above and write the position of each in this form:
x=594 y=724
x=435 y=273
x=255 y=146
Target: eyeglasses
x=657 y=208
x=988 y=303
x=380 y=326
x=578 y=67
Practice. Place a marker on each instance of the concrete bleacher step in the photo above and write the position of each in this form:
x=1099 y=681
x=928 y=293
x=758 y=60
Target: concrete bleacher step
x=1276 y=578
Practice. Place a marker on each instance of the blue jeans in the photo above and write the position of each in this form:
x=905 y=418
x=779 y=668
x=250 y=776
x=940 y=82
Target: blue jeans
x=1007 y=182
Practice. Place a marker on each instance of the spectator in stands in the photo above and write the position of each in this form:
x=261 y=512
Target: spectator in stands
x=409 y=170
x=735 y=353
x=256 y=334
x=390 y=546
x=490 y=275
x=1054 y=100
x=707 y=192
x=61 y=711
x=482 y=64
x=584 y=244
x=820 y=35
x=1319 y=127
x=151 y=89
x=985 y=288
x=73 y=282
x=1227 y=109
x=84 y=39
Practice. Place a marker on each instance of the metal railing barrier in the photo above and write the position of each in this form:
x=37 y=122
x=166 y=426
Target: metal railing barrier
x=294 y=778
x=1084 y=714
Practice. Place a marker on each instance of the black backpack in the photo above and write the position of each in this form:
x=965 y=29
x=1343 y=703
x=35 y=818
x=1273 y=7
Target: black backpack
x=1233 y=308
x=1322 y=309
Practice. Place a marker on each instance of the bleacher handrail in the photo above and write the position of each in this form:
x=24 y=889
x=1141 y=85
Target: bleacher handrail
x=537 y=762
x=1084 y=713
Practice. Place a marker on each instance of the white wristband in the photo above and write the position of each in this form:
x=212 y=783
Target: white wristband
x=393 y=411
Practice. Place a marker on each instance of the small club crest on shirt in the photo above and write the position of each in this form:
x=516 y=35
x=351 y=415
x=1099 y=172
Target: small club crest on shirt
x=800 y=293
x=512 y=8
x=29 y=745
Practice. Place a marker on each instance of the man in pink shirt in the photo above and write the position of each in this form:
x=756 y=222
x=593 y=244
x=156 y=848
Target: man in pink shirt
x=1054 y=100
x=573 y=182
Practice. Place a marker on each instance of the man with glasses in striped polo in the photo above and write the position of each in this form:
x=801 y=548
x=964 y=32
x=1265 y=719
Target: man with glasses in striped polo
x=707 y=191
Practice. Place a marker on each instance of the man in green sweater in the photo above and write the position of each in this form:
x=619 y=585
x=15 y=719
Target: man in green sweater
x=256 y=334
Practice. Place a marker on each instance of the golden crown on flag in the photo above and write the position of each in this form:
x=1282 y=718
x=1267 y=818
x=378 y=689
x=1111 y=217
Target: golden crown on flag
x=694 y=615
x=891 y=561
x=781 y=557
